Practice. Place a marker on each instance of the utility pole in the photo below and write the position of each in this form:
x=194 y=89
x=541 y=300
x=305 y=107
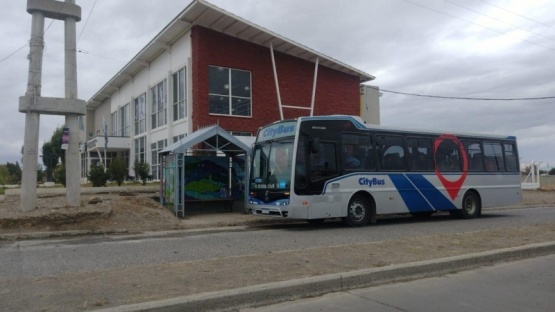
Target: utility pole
x=33 y=104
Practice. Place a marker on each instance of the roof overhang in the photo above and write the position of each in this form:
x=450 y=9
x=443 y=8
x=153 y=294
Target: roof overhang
x=203 y=13
x=215 y=137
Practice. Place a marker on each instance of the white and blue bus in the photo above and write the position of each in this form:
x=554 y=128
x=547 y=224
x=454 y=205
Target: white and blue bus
x=316 y=168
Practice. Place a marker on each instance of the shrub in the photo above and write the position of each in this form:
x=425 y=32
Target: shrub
x=118 y=170
x=97 y=176
x=142 y=169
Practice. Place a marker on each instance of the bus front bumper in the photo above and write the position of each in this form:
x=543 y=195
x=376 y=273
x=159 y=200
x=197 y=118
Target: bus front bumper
x=268 y=212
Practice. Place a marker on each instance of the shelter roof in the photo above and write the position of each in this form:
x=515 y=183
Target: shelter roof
x=215 y=137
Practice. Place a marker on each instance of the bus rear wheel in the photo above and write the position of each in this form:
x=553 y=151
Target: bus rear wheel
x=358 y=211
x=471 y=207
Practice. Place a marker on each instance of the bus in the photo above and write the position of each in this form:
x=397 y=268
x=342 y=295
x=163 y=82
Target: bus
x=322 y=167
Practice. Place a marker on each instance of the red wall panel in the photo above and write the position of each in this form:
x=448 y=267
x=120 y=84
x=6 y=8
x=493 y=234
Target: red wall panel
x=336 y=92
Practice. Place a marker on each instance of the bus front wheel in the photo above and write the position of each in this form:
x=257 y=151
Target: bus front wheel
x=358 y=211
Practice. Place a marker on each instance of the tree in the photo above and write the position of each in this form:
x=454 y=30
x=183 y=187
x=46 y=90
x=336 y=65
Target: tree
x=142 y=169
x=51 y=152
x=14 y=173
x=552 y=171
x=40 y=173
x=118 y=170
x=4 y=175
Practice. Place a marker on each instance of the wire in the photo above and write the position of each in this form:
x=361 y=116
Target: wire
x=105 y=57
x=470 y=22
x=499 y=20
x=14 y=52
x=86 y=21
x=465 y=98
x=501 y=8
x=44 y=33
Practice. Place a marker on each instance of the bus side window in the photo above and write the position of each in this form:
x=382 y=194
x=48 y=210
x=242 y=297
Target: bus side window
x=510 y=157
x=420 y=154
x=358 y=152
x=448 y=156
x=392 y=153
x=474 y=155
x=494 y=156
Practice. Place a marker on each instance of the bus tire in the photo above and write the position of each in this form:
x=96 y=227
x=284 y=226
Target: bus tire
x=471 y=206
x=358 y=211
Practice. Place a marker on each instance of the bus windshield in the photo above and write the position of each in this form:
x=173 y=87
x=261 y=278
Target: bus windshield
x=271 y=165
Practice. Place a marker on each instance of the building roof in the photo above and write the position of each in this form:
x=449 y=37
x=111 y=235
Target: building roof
x=203 y=13
x=215 y=137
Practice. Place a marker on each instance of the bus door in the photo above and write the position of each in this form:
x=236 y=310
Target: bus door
x=323 y=166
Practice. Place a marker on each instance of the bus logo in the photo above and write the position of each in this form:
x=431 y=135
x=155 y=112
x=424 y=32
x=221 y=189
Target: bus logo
x=452 y=187
x=370 y=182
x=281 y=130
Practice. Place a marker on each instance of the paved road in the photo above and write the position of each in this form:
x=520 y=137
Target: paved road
x=52 y=257
x=526 y=285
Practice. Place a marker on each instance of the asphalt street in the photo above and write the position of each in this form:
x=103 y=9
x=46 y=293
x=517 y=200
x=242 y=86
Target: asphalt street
x=49 y=257
x=525 y=285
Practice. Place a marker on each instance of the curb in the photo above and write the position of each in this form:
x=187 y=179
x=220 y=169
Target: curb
x=271 y=293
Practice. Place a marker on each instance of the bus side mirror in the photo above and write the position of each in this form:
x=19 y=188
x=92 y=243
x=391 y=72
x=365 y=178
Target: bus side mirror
x=314 y=146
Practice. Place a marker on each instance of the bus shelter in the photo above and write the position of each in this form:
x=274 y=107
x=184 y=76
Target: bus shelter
x=208 y=166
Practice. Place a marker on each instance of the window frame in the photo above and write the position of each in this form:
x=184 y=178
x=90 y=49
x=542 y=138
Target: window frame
x=139 y=119
x=159 y=105
x=229 y=95
x=124 y=126
x=179 y=99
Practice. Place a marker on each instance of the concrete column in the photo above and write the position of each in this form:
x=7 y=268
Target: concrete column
x=72 y=166
x=32 y=119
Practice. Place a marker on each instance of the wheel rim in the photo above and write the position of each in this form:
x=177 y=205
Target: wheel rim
x=470 y=206
x=357 y=211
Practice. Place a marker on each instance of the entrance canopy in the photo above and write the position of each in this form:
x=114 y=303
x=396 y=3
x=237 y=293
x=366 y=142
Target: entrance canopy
x=215 y=139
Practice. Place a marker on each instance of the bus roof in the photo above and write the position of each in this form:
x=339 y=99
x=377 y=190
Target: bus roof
x=360 y=124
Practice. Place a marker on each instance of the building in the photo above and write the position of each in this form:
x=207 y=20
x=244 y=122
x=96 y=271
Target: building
x=206 y=67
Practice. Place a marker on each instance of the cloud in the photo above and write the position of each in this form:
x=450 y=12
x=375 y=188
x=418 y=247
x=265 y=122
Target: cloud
x=425 y=47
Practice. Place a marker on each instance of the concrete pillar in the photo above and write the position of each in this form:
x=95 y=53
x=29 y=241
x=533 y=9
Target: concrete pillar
x=33 y=104
x=72 y=165
x=32 y=119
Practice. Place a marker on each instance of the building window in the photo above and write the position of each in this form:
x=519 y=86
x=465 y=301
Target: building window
x=114 y=124
x=229 y=91
x=124 y=120
x=140 y=114
x=140 y=149
x=240 y=133
x=155 y=165
x=159 y=105
x=179 y=95
x=179 y=137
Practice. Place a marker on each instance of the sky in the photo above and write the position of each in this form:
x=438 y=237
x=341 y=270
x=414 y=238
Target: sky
x=493 y=49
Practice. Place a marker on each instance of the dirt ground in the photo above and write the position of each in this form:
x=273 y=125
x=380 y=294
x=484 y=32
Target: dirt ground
x=130 y=212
